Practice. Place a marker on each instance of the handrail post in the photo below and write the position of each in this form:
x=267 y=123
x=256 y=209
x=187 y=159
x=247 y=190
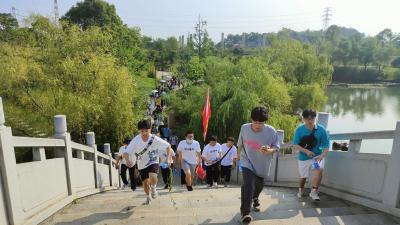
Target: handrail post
x=8 y=169
x=281 y=137
x=323 y=118
x=391 y=188
x=91 y=142
x=60 y=132
x=107 y=151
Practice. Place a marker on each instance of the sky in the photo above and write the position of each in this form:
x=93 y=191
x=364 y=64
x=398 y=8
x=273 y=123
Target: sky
x=165 y=18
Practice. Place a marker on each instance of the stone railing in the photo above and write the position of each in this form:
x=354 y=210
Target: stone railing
x=32 y=191
x=371 y=180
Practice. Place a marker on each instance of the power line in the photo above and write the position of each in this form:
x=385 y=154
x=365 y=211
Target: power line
x=14 y=12
x=56 y=14
x=326 y=18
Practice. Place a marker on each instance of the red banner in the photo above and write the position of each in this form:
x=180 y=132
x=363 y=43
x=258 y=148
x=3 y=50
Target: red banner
x=206 y=114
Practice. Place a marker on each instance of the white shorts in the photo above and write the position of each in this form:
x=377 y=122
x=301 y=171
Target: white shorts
x=306 y=166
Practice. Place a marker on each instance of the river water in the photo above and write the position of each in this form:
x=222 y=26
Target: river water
x=364 y=109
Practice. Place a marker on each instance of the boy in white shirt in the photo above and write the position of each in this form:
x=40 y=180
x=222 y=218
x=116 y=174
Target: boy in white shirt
x=146 y=148
x=229 y=154
x=189 y=157
x=211 y=155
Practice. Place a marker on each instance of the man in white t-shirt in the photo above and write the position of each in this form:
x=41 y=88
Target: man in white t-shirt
x=165 y=168
x=211 y=155
x=189 y=157
x=146 y=149
x=229 y=154
x=121 y=161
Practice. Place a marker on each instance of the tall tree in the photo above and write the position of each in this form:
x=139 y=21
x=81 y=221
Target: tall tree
x=93 y=13
x=201 y=42
x=8 y=25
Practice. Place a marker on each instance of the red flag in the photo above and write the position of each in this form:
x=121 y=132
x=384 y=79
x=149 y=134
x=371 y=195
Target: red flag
x=206 y=114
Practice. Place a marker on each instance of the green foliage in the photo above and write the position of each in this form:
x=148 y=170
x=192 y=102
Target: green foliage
x=8 y=26
x=307 y=96
x=93 y=13
x=125 y=43
x=238 y=86
x=298 y=63
x=67 y=71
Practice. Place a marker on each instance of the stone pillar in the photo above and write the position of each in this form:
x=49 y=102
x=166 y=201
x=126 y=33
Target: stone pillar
x=91 y=142
x=281 y=137
x=355 y=146
x=222 y=41
x=2 y=117
x=391 y=188
x=8 y=168
x=323 y=119
x=80 y=154
x=39 y=154
x=107 y=151
x=60 y=130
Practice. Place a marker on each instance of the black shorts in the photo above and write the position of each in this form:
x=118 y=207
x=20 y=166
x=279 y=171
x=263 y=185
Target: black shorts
x=144 y=173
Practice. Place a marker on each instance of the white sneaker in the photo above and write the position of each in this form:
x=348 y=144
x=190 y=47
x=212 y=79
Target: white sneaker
x=148 y=201
x=314 y=195
x=300 y=194
x=153 y=191
x=215 y=184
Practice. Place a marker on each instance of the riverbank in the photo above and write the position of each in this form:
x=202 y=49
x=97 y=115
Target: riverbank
x=365 y=85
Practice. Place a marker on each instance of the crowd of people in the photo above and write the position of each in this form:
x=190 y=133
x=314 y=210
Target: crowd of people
x=256 y=144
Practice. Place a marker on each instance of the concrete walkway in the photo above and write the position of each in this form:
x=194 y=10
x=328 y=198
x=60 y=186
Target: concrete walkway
x=279 y=206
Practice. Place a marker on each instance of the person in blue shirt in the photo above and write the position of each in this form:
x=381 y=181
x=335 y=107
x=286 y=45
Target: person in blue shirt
x=312 y=142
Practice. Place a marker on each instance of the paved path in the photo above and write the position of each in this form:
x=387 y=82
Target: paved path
x=279 y=206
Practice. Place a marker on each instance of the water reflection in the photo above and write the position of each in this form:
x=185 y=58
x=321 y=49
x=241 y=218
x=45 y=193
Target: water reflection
x=358 y=102
x=364 y=109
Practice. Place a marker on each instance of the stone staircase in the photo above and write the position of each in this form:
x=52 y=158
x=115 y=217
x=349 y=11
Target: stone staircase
x=279 y=206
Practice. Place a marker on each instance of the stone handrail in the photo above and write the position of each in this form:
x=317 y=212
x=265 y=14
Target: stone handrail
x=368 y=179
x=31 y=192
x=37 y=142
x=370 y=135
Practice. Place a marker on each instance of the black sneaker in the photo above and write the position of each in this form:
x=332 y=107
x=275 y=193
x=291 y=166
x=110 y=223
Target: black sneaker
x=133 y=188
x=190 y=188
x=256 y=206
x=166 y=186
x=246 y=219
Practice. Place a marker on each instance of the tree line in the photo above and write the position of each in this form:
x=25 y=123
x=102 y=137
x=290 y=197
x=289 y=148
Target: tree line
x=95 y=69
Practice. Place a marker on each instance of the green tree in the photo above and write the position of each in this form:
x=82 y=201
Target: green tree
x=8 y=26
x=201 y=42
x=368 y=51
x=93 y=13
x=67 y=71
x=126 y=42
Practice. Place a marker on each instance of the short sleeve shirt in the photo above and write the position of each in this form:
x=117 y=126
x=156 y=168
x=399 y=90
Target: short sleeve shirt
x=152 y=155
x=189 y=151
x=320 y=134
